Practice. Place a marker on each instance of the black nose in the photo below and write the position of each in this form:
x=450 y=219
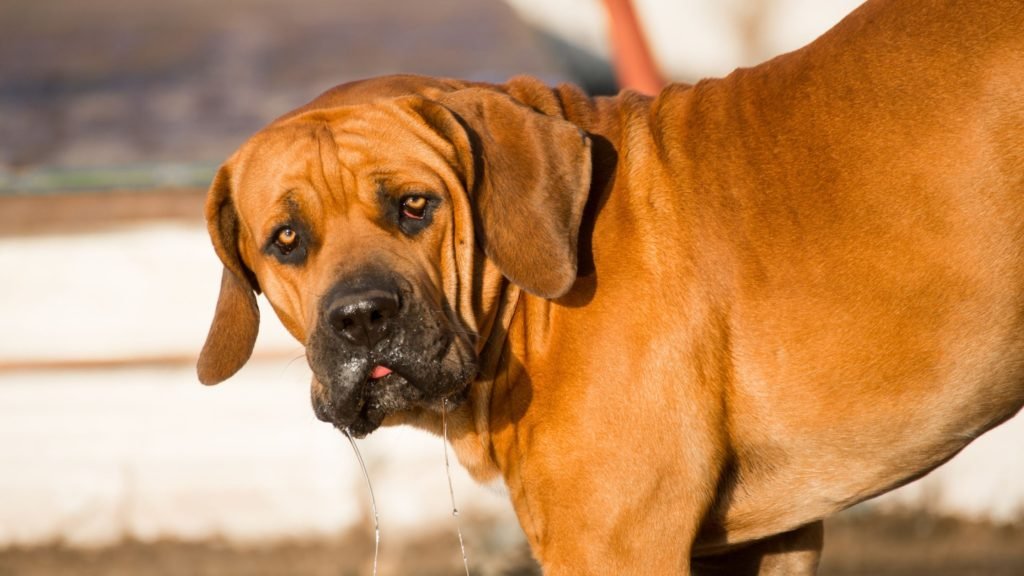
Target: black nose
x=363 y=318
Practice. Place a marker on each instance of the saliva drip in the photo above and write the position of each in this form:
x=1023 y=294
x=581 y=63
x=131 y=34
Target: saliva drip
x=451 y=488
x=373 y=501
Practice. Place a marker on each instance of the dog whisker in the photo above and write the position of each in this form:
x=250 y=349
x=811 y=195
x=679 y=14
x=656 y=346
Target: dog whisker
x=295 y=359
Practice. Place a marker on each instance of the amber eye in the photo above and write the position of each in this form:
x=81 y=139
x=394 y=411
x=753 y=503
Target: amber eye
x=414 y=207
x=286 y=240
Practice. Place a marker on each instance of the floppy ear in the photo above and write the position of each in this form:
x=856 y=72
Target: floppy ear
x=529 y=176
x=236 y=320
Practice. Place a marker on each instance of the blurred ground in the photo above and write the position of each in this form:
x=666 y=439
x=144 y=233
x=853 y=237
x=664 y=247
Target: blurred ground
x=915 y=543
x=856 y=544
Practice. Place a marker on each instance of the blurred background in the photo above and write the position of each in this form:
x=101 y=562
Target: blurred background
x=115 y=460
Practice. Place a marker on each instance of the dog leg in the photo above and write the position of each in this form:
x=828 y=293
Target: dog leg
x=794 y=553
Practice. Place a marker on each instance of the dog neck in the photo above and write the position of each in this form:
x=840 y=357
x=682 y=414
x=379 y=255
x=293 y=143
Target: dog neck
x=514 y=323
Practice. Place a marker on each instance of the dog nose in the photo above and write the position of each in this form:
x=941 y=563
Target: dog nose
x=364 y=318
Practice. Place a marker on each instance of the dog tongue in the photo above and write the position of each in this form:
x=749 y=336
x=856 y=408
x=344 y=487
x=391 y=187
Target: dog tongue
x=380 y=372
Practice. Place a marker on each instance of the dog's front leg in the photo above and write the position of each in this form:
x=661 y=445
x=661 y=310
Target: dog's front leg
x=614 y=505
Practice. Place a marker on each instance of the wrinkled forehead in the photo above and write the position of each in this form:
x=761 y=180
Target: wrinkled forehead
x=335 y=152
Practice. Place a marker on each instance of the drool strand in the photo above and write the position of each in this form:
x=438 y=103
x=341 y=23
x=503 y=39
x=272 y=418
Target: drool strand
x=451 y=488
x=373 y=501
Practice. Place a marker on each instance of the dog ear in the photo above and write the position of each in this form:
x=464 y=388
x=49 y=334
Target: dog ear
x=529 y=177
x=236 y=321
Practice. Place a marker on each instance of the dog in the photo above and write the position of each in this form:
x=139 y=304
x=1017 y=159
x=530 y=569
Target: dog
x=682 y=330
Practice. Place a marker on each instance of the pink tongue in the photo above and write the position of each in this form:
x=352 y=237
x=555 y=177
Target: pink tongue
x=379 y=372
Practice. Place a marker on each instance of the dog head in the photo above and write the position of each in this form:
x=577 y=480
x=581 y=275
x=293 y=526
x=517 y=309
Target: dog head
x=369 y=217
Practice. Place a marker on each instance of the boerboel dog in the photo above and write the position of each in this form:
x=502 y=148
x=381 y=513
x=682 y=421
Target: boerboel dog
x=682 y=330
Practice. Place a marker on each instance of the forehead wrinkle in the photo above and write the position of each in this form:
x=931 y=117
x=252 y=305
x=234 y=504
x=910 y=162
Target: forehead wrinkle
x=355 y=155
x=429 y=136
x=348 y=149
x=346 y=175
x=332 y=170
x=380 y=127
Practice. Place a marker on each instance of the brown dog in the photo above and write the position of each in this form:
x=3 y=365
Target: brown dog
x=681 y=330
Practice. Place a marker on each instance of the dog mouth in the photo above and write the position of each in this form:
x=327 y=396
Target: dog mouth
x=380 y=352
x=382 y=391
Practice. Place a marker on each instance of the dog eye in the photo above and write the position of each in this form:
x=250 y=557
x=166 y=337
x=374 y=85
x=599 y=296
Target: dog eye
x=289 y=244
x=415 y=207
x=286 y=240
x=414 y=212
